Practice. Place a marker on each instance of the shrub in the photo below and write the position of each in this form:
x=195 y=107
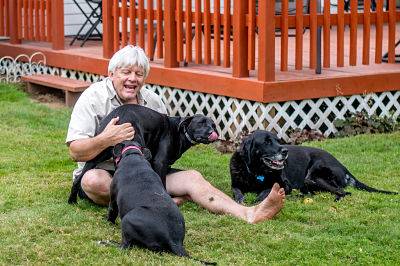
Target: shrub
x=362 y=123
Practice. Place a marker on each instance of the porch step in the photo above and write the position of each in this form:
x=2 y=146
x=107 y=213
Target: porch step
x=43 y=83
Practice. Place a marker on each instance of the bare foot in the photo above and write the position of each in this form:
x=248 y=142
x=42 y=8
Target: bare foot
x=269 y=207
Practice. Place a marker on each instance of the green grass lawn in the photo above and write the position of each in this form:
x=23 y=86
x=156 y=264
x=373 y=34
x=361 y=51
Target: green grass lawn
x=37 y=226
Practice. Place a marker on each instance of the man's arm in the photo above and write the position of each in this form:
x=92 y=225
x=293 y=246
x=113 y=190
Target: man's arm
x=83 y=150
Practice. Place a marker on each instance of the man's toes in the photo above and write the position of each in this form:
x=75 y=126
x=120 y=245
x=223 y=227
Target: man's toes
x=276 y=187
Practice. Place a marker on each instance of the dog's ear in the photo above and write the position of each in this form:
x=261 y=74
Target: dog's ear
x=117 y=150
x=281 y=141
x=147 y=154
x=245 y=149
x=185 y=122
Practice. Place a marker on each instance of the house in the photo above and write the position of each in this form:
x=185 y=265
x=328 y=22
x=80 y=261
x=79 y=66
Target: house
x=240 y=62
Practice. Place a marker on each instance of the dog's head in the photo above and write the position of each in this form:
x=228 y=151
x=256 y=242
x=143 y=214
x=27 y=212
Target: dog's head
x=262 y=149
x=130 y=146
x=199 y=129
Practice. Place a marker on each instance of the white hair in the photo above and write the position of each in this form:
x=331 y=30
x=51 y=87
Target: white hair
x=130 y=55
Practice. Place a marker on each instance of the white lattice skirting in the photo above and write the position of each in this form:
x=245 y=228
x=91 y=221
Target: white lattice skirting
x=233 y=116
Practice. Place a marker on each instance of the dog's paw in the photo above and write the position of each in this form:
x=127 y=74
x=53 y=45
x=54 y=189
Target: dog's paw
x=109 y=219
x=341 y=195
x=240 y=200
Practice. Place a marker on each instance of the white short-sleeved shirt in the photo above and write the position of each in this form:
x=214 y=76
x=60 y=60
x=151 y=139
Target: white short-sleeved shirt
x=95 y=103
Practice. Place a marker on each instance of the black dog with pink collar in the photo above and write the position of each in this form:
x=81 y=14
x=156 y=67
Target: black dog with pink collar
x=167 y=138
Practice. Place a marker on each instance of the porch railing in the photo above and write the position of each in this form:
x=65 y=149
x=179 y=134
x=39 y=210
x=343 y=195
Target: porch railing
x=238 y=35
x=33 y=20
x=193 y=31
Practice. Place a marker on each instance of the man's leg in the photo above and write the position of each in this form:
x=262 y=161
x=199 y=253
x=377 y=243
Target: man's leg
x=96 y=185
x=191 y=185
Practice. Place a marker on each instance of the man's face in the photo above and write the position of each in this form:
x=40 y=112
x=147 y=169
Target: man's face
x=127 y=82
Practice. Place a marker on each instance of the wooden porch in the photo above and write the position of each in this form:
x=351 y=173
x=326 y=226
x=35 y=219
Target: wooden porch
x=352 y=47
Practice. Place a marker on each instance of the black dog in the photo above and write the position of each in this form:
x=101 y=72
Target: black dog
x=166 y=137
x=149 y=216
x=261 y=161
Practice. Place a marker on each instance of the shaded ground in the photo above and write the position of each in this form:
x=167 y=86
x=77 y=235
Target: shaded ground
x=53 y=99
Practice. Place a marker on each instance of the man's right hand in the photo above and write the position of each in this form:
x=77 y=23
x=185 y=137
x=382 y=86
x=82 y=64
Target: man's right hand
x=114 y=133
x=83 y=150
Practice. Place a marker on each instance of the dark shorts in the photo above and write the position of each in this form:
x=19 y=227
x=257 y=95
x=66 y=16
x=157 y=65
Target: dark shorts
x=82 y=194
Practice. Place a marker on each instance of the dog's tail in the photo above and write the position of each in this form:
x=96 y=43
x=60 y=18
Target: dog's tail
x=352 y=181
x=103 y=156
x=73 y=196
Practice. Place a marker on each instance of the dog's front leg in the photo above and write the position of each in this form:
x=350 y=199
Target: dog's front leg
x=112 y=211
x=161 y=168
x=287 y=186
x=263 y=194
x=238 y=195
x=160 y=162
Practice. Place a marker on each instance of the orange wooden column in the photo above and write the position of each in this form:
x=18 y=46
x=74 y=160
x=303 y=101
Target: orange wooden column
x=392 y=31
x=266 y=43
x=107 y=29
x=57 y=24
x=13 y=16
x=340 y=35
x=327 y=34
x=299 y=35
x=170 y=34
x=353 y=32
x=240 y=42
x=379 y=31
x=366 y=32
x=313 y=33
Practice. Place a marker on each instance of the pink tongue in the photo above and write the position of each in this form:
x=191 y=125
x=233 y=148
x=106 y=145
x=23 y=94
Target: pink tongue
x=213 y=136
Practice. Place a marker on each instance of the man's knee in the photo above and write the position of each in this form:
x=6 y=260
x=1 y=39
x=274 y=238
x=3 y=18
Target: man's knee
x=196 y=179
x=96 y=181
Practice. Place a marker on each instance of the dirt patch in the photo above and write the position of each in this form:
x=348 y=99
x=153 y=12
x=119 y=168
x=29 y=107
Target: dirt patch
x=225 y=146
x=52 y=98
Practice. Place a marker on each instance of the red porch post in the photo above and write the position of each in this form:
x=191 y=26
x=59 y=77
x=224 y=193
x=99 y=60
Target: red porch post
x=57 y=24
x=170 y=34
x=266 y=43
x=107 y=29
x=240 y=39
x=13 y=15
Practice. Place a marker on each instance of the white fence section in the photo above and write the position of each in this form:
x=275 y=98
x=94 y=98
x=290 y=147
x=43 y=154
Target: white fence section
x=11 y=69
x=235 y=115
x=232 y=115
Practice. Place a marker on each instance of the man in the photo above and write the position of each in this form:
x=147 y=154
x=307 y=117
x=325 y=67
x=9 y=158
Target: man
x=127 y=71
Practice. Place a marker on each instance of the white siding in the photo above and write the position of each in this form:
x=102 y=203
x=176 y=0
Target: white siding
x=73 y=17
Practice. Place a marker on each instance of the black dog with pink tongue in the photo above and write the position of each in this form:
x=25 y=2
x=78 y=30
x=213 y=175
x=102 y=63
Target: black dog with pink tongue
x=166 y=137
